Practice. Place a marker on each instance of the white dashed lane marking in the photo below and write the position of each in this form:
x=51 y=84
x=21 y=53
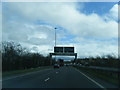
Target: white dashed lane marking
x=47 y=79
x=56 y=72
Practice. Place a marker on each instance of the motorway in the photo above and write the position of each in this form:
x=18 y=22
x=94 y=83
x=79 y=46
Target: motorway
x=64 y=77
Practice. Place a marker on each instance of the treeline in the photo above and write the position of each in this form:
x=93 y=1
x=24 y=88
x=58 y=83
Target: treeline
x=102 y=61
x=15 y=57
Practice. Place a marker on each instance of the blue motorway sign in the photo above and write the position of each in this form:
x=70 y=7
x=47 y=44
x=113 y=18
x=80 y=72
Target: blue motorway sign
x=64 y=49
x=58 y=49
x=68 y=49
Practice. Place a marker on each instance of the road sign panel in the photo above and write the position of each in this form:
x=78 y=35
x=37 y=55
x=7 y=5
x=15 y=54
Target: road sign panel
x=64 y=49
x=68 y=49
x=58 y=49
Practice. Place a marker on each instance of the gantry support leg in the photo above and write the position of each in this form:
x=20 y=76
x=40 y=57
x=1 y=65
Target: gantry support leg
x=51 y=59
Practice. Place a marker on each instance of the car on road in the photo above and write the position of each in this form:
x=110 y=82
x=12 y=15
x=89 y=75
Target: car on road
x=56 y=66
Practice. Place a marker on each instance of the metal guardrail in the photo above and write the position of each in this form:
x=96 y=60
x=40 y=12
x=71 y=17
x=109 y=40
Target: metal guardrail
x=114 y=70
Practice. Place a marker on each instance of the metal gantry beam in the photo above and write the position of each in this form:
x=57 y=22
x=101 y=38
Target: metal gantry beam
x=63 y=54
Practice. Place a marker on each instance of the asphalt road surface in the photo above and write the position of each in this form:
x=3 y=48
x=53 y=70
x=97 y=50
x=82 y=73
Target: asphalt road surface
x=64 y=77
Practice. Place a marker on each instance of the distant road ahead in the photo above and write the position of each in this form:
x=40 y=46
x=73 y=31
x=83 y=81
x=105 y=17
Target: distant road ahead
x=64 y=77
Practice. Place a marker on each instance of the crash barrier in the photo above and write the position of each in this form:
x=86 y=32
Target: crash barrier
x=115 y=70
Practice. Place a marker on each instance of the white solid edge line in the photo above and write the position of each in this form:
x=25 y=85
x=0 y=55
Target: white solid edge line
x=47 y=79
x=22 y=75
x=91 y=79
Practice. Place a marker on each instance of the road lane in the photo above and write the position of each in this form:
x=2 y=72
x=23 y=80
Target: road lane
x=69 y=78
x=64 y=77
x=27 y=80
x=29 y=73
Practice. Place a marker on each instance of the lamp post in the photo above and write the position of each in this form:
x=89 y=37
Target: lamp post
x=55 y=42
x=55 y=36
x=54 y=46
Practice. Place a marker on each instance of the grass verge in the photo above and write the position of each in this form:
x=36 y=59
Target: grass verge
x=17 y=72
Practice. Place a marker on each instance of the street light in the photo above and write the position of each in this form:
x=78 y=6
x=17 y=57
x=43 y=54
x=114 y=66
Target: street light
x=55 y=44
x=55 y=41
x=55 y=36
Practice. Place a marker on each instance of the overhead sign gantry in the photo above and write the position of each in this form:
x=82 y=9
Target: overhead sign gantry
x=64 y=51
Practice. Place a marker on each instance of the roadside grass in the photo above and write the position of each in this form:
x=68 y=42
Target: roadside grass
x=106 y=76
x=17 y=72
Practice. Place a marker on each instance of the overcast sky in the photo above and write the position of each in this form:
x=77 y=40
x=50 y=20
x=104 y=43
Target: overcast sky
x=91 y=27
